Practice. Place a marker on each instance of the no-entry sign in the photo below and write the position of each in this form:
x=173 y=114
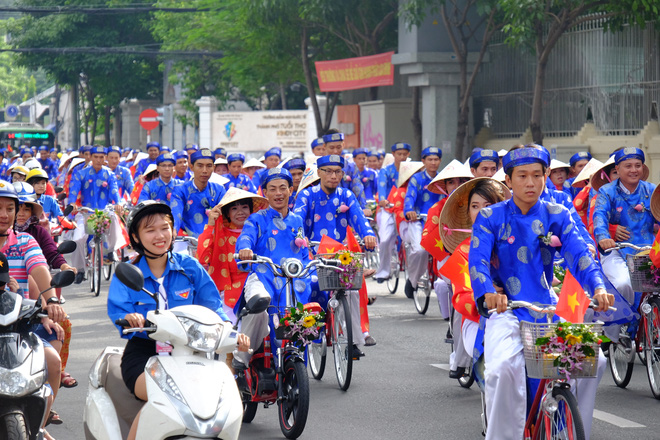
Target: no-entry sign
x=149 y=119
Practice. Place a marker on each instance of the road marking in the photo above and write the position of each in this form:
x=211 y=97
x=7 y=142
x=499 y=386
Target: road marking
x=445 y=367
x=615 y=420
x=424 y=319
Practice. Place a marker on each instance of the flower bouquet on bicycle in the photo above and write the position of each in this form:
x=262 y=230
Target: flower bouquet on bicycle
x=98 y=223
x=302 y=324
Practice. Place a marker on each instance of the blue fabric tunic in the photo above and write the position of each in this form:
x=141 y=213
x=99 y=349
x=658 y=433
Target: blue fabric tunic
x=506 y=241
x=418 y=198
x=352 y=181
x=49 y=166
x=159 y=191
x=369 y=180
x=614 y=206
x=97 y=188
x=50 y=205
x=241 y=182
x=387 y=178
x=189 y=205
x=268 y=234
x=322 y=214
x=124 y=180
x=561 y=198
x=141 y=167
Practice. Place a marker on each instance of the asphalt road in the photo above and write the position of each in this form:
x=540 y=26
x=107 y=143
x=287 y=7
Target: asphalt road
x=400 y=390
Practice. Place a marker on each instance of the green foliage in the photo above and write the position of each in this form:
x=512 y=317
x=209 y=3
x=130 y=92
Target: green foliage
x=17 y=84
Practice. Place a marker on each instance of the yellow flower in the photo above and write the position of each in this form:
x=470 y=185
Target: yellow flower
x=345 y=259
x=572 y=339
x=309 y=321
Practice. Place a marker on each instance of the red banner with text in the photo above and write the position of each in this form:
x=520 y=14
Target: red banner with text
x=355 y=73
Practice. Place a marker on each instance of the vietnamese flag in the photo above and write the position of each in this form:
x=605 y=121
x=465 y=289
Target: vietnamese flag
x=457 y=270
x=354 y=246
x=655 y=251
x=573 y=302
x=330 y=246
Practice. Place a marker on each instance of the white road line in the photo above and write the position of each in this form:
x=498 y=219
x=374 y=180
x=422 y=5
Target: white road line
x=441 y=366
x=615 y=420
x=423 y=319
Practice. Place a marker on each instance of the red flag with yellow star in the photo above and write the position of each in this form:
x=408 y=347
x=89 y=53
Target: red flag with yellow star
x=457 y=270
x=573 y=302
x=330 y=246
x=431 y=240
x=655 y=251
x=354 y=246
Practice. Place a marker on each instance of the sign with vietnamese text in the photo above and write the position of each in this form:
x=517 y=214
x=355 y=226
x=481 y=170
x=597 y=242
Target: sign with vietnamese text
x=260 y=130
x=355 y=73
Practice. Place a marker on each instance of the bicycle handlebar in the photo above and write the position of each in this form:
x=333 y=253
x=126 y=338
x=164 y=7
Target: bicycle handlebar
x=627 y=245
x=279 y=271
x=512 y=305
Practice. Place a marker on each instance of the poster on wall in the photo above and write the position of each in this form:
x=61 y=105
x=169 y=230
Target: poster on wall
x=259 y=131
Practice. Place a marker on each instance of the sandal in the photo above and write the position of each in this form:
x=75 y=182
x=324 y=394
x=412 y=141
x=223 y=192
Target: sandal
x=67 y=381
x=53 y=418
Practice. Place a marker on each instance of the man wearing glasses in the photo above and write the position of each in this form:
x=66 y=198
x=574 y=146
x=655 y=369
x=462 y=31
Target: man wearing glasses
x=160 y=189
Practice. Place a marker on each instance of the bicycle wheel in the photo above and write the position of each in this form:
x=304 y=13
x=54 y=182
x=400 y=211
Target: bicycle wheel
x=107 y=271
x=97 y=268
x=342 y=342
x=652 y=346
x=621 y=364
x=317 y=355
x=566 y=421
x=467 y=379
x=393 y=280
x=294 y=406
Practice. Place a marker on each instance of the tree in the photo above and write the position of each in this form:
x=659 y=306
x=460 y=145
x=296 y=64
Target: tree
x=463 y=33
x=540 y=23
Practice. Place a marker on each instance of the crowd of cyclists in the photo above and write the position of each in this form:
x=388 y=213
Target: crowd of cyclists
x=498 y=210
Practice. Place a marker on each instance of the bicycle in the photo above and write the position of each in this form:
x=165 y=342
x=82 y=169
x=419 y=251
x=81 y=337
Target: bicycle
x=397 y=265
x=95 y=261
x=339 y=330
x=647 y=339
x=287 y=384
x=467 y=379
x=554 y=413
x=189 y=242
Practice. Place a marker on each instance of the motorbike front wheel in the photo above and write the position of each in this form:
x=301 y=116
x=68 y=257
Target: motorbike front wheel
x=294 y=405
x=14 y=427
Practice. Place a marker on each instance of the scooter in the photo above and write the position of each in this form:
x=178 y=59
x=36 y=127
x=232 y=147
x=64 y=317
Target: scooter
x=190 y=395
x=23 y=389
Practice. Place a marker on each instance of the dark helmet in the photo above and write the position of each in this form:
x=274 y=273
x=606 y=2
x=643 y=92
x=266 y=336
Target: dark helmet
x=143 y=209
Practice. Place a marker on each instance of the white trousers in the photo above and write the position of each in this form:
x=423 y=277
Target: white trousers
x=353 y=297
x=254 y=326
x=387 y=243
x=462 y=354
x=441 y=287
x=417 y=257
x=506 y=392
x=114 y=240
x=616 y=270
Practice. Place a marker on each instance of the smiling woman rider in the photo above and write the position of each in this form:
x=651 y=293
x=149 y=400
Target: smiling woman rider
x=177 y=278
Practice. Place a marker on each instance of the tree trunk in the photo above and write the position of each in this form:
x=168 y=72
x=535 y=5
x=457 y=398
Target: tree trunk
x=416 y=120
x=461 y=132
x=537 y=104
x=283 y=96
x=106 y=131
x=118 y=127
x=309 y=80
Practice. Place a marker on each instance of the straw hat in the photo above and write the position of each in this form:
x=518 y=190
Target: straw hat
x=500 y=175
x=150 y=169
x=221 y=161
x=455 y=214
x=310 y=177
x=453 y=170
x=556 y=164
x=253 y=163
x=63 y=160
x=234 y=194
x=586 y=173
x=74 y=163
x=406 y=171
x=655 y=203
x=502 y=152
x=138 y=157
x=217 y=178
x=467 y=162
x=389 y=158
x=599 y=178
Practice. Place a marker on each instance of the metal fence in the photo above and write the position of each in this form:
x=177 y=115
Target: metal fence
x=610 y=77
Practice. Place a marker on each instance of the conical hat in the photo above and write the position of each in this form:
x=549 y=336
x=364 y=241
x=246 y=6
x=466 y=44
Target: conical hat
x=502 y=152
x=217 y=178
x=500 y=175
x=467 y=162
x=655 y=203
x=406 y=171
x=63 y=160
x=139 y=157
x=556 y=164
x=253 y=163
x=599 y=178
x=453 y=170
x=74 y=163
x=310 y=177
x=455 y=214
x=389 y=158
x=586 y=173
x=150 y=169
x=234 y=194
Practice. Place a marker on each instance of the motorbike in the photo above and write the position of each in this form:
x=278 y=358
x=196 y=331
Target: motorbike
x=190 y=394
x=24 y=392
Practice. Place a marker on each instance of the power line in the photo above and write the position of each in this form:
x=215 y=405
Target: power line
x=119 y=51
x=102 y=10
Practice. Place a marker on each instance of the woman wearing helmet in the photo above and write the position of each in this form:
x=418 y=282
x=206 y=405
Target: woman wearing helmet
x=39 y=181
x=179 y=280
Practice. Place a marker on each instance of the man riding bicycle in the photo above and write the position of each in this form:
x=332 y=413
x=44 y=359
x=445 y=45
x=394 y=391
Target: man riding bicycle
x=508 y=245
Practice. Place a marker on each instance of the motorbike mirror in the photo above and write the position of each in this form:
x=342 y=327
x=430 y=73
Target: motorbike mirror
x=258 y=303
x=58 y=189
x=61 y=196
x=67 y=247
x=68 y=209
x=63 y=279
x=130 y=275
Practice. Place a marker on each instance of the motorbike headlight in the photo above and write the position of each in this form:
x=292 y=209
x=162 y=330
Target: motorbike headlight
x=17 y=383
x=164 y=380
x=202 y=337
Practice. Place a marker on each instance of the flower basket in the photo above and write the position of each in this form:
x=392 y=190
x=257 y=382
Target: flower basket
x=349 y=275
x=302 y=324
x=561 y=350
x=98 y=223
x=644 y=276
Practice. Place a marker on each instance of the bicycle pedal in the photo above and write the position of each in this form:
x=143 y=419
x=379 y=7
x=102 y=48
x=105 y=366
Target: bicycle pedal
x=449 y=341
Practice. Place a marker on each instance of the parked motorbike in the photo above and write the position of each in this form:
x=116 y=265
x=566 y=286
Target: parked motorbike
x=190 y=395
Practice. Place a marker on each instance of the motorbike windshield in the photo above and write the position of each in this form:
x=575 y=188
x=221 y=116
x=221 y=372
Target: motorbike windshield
x=13 y=350
x=7 y=302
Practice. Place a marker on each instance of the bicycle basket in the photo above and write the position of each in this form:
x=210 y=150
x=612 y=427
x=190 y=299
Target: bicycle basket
x=639 y=267
x=346 y=279
x=540 y=364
